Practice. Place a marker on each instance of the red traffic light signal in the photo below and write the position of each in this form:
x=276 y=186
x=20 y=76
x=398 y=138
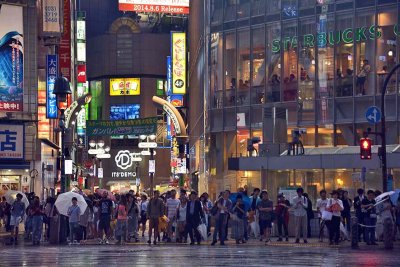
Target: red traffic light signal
x=365 y=148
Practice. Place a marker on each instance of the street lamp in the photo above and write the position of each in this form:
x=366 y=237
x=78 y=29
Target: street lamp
x=62 y=90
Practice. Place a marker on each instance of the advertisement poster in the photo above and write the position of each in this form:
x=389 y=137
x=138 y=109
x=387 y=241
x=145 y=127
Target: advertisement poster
x=122 y=127
x=11 y=58
x=65 y=45
x=178 y=63
x=51 y=76
x=155 y=6
x=51 y=16
x=124 y=86
x=12 y=141
x=124 y=112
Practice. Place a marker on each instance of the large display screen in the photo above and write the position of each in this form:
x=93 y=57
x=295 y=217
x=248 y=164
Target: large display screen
x=156 y=6
x=124 y=112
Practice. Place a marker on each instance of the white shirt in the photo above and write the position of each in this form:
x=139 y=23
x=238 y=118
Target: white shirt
x=321 y=205
x=143 y=205
x=332 y=202
x=224 y=205
x=300 y=210
x=182 y=213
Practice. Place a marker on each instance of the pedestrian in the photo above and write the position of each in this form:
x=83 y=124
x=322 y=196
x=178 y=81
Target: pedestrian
x=368 y=206
x=253 y=213
x=6 y=213
x=181 y=234
x=207 y=206
x=74 y=213
x=91 y=232
x=172 y=209
x=310 y=215
x=282 y=214
x=346 y=212
x=133 y=218
x=155 y=210
x=397 y=217
x=239 y=213
x=335 y=205
x=321 y=207
x=224 y=206
x=122 y=219
x=143 y=212
x=266 y=208
x=300 y=205
x=359 y=214
x=194 y=217
x=36 y=213
x=17 y=216
x=105 y=212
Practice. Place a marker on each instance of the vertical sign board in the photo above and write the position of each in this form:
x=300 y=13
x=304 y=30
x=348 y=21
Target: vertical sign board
x=169 y=92
x=12 y=142
x=51 y=75
x=65 y=44
x=51 y=16
x=11 y=58
x=178 y=47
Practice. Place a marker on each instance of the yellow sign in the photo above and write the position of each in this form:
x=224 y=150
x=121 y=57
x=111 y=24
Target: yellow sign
x=124 y=86
x=178 y=63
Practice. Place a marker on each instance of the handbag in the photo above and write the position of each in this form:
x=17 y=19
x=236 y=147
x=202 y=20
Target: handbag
x=202 y=228
x=327 y=215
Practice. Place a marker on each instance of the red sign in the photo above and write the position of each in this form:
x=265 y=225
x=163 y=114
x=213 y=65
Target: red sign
x=81 y=73
x=65 y=44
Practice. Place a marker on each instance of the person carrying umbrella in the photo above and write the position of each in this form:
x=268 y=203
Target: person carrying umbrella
x=74 y=213
x=17 y=215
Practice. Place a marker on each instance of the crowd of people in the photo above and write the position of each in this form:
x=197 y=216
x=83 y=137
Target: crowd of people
x=184 y=216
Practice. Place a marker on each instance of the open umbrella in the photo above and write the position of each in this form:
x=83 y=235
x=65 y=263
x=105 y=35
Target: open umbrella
x=246 y=200
x=384 y=195
x=394 y=197
x=11 y=195
x=64 y=201
x=110 y=195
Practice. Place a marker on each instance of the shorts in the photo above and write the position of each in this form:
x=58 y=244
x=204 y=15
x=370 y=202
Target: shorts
x=15 y=220
x=153 y=223
x=104 y=223
x=265 y=224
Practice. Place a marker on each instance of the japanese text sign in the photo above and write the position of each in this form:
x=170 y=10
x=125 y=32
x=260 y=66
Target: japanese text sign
x=51 y=74
x=178 y=47
x=122 y=127
x=11 y=141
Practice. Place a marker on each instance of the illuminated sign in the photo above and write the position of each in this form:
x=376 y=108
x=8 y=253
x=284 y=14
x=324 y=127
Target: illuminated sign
x=81 y=73
x=124 y=112
x=12 y=141
x=81 y=52
x=65 y=44
x=178 y=47
x=161 y=87
x=169 y=76
x=51 y=16
x=323 y=38
x=176 y=100
x=51 y=100
x=43 y=123
x=156 y=6
x=81 y=30
x=124 y=86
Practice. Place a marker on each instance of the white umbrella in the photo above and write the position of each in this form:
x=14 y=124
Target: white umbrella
x=11 y=196
x=383 y=195
x=64 y=201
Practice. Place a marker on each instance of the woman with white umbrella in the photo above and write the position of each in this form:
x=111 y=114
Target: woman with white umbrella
x=74 y=213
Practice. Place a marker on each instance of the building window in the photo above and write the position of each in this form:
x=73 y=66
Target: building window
x=258 y=66
x=243 y=70
x=290 y=64
x=289 y=9
x=274 y=62
x=230 y=10
x=216 y=70
x=216 y=12
x=243 y=9
x=273 y=6
x=230 y=69
x=258 y=7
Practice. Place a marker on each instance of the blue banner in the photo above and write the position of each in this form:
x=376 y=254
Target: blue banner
x=51 y=75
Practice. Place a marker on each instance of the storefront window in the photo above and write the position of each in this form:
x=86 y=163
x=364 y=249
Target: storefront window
x=230 y=10
x=274 y=63
x=243 y=70
x=242 y=136
x=289 y=46
x=243 y=117
x=365 y=51
x=256 y=117
x=230 y=69
x=344 y=56
x=258 y=7
x=243 y=9
x=386 y=50
x=325 y=136
x=308 y=138
x=258 y=66
x=216 y=70
x=344 y=135
x=216 y=12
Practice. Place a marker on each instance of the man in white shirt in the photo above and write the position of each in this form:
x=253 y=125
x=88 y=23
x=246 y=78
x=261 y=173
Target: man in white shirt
x=172 y=209
x=321 y=206
x=300 y=215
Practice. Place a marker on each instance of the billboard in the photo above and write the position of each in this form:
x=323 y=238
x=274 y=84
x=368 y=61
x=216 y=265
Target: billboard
x=51 y=76
x=124 y=112
x=65 y=44
x=178 y=47
x=124 y=86
x=156 y=6
x=12 y=141
x=122 y=127
x=51 y=16
x=11 y=58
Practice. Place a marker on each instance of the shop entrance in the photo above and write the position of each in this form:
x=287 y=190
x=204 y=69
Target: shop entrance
x=10 y=182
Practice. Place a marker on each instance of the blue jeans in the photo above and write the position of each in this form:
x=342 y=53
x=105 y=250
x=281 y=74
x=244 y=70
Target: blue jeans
x=72 y=228
x=369 y=231
x=37 y=228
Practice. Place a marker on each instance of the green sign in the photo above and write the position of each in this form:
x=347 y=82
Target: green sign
x=346 y=36
x=122 y=127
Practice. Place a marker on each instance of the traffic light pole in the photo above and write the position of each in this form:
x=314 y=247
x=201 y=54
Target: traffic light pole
x=383 y=129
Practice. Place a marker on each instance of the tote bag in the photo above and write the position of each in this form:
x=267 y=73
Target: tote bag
x=327 y=215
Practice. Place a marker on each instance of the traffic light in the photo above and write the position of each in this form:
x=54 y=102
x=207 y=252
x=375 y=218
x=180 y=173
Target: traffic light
x=365 y=148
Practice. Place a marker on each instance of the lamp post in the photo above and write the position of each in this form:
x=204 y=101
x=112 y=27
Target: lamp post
x=151 y=145
x=62 y=90
x=100 y=151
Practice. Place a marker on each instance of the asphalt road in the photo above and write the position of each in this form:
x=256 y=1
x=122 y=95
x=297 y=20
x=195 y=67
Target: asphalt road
x=253 y=254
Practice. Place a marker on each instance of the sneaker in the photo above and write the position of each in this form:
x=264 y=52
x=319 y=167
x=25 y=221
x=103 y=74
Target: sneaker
x=287 y=239
x=100 y=241
x=149 y=242
x=154 y=242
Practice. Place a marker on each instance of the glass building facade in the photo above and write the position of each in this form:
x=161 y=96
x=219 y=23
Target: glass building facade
x=323 y=61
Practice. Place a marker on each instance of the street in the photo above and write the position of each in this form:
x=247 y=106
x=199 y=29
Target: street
x=252 y=254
